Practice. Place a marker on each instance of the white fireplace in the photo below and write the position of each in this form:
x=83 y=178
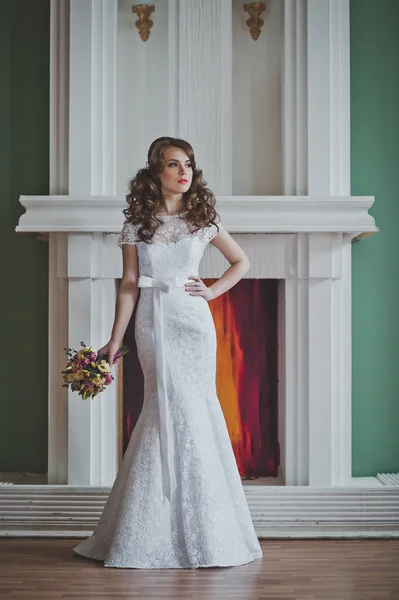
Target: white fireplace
x=304 y=242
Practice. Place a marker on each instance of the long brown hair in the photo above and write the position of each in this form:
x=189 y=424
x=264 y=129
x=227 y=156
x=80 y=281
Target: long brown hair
x=145 y=195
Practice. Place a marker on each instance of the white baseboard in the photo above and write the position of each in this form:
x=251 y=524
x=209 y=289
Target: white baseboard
x=277 y=512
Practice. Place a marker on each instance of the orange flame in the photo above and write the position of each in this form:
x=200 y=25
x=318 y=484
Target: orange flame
x=229 y=368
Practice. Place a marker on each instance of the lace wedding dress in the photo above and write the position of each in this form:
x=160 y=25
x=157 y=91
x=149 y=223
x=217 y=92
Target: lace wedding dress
x=177 y=500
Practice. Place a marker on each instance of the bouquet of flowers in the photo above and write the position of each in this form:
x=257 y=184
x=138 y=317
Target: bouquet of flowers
x=88 y=372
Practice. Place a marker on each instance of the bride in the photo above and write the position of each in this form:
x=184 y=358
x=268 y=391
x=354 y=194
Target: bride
x=177 y=500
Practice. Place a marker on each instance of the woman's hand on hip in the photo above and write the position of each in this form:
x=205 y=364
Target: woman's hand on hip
x=198 y=288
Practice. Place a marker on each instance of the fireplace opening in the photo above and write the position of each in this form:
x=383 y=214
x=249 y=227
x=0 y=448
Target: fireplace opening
x=247 y=327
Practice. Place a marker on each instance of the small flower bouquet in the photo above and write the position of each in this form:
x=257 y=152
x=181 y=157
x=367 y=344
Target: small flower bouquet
x=87 y=372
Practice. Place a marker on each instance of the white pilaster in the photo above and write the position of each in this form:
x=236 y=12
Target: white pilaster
x=293 y=389
x=58 y=340
x=342 y=409
x=294 y=98
x=316 y=97
x=316 y=161
x=329 y=347
x=92 y=450
x=317 y=387
x=205 y=87
x=328 y=116
x=92 y=432
x=59 y=96
x=328 y=97
x=58 y=288
x=92 y=123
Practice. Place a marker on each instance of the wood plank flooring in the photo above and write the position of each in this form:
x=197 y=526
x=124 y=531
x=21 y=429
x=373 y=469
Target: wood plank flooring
x=289 y=570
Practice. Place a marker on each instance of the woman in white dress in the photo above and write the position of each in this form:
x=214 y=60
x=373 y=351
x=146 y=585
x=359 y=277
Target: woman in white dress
x=177 y=500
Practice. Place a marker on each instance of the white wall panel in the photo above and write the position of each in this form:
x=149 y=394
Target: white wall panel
x=257 y=71
x=205 y=92
x=146 y=74
x=178 y=83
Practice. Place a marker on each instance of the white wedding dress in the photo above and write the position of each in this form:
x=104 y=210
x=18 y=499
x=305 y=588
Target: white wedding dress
x=177 y=500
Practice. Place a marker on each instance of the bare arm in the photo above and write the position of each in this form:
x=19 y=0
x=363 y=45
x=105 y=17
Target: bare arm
x=125 y=301
x=237 y=258
x=239 y=266
x=127 y=293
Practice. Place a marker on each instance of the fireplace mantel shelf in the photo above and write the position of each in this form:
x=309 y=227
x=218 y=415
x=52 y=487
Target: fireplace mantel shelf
x=239 y=214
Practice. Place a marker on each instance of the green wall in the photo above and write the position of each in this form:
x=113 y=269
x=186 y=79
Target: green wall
x=375 y=171
x=24 y=160
x=24 y=110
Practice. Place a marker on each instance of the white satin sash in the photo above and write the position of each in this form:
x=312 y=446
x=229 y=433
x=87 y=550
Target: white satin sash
x=163 y=286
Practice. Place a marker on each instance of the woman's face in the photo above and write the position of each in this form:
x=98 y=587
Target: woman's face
x=177 y=176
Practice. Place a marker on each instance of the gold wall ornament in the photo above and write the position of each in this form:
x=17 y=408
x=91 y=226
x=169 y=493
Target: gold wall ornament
x=255 y=23
x=144 y=23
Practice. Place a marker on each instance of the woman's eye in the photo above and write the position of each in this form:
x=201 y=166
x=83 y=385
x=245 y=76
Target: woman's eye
x=175 y=164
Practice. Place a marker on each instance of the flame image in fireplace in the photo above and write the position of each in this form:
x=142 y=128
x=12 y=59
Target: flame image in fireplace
x=245 y=319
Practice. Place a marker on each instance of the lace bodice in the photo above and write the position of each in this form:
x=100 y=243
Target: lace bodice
x=174 y=250
x=173 y=229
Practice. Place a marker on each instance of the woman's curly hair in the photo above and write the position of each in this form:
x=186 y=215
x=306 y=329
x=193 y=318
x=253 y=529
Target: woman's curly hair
x=145 y=197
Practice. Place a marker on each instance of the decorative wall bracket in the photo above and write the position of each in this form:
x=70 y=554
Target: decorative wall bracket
x=255 y=23
x=144 y=23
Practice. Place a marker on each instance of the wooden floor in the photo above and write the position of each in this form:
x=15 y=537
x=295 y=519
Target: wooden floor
x=289 y=570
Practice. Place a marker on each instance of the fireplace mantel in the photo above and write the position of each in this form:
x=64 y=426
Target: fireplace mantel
x=240 y=214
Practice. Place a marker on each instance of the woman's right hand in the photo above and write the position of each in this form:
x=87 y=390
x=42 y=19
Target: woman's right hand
x=110 y=350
